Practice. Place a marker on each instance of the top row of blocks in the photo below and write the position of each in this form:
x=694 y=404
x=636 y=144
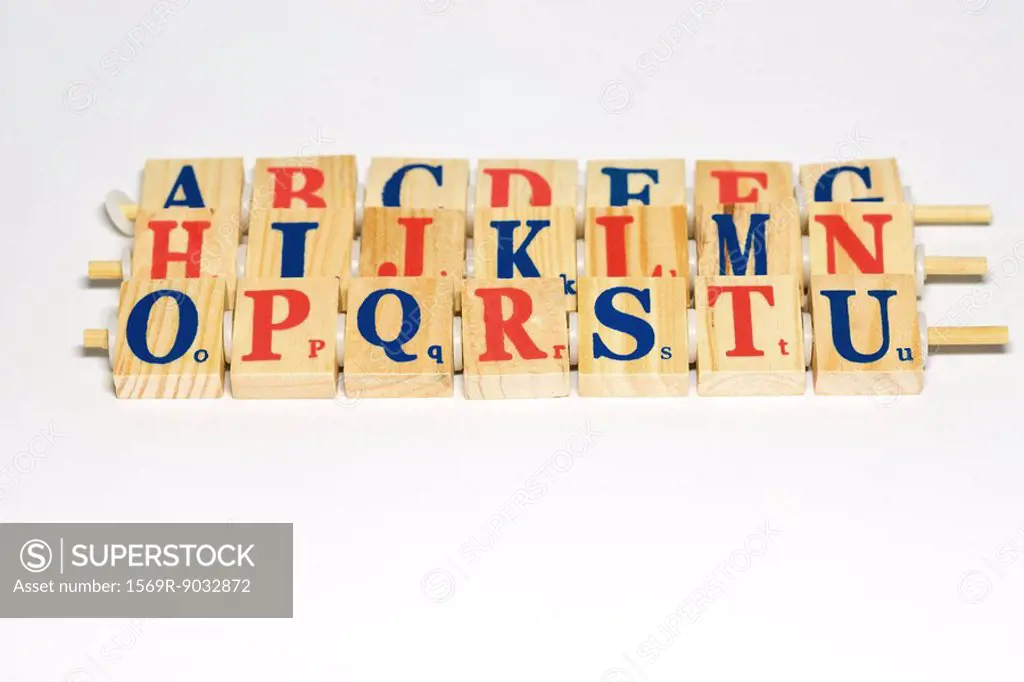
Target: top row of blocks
x=444 y=183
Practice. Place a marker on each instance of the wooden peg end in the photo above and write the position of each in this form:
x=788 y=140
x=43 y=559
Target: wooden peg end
x=105 y=270
x=131 y=211
x=951 y=266
x=95 y=339
x=953 y=215
x=968 y=336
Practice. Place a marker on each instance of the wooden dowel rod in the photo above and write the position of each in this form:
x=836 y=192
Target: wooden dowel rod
x=952 y=215
x=105 y=269
x=968 y=336
x=131 y=211
x=95 y=338
x=953 y=266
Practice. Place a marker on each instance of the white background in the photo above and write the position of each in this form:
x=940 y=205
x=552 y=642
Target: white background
x=891 y=562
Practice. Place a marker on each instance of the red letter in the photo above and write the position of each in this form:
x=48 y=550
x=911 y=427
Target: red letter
x=615 y=242
x=317 y=345
x=263 y=324
x=540 y=190
x=162 y=254
x=497 y=329
x=838 y=230
x=742 y=319
x=729 y=185
x=414 y=229
x=285 y=191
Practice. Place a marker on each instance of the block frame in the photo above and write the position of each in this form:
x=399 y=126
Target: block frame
x=670 y=190
x=834 y=375
x=419 y=191
x=188 y=376
x=652 y=375
x=368 y=372
x=776 y=372
x=657 y=237
x=848 y=186
x=547 y=327
x=553 y=250
x=295 y=374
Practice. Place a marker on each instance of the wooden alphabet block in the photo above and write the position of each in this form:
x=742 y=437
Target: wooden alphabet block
x=637 y=241
x=189 y=243
x=515 y=339
x=300 y=242
x=325 y=183
x=398 y=338
x=633 y=337
x=214 y=184
x=418 y=184
x=409 y=242
x=648 y=182
x=749 y=336
x=726 y=183
x=522 y=183
x=868 y=238
x=284 y=341
x=720 y=184
x=750 y=239
x=406 y=242
x=522 y=243
x=866 y=335
x=170 y=340
x=854 y=180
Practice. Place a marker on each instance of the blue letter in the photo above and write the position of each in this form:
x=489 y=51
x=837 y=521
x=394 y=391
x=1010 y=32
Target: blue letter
x=138 y=322
x=511 y=258
x=618 y=181
x=637 y=327
x=392 y=194
x=293 y=247
x=839 y=302
x=729 y=244
x=823 y=189
x=189 y=187
x=436 y=354
x=366 y=321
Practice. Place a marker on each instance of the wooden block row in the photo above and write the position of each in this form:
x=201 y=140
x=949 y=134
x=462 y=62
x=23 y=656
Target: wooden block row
x=634 y=337
x=631 y=241
x=330 y=182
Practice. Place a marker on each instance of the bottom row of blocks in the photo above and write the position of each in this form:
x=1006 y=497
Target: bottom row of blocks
x=634 y=337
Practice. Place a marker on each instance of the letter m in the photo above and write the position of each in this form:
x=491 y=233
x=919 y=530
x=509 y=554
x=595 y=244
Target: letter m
x=729 y=249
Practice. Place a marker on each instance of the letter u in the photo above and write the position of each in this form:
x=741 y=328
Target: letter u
x=842 y=336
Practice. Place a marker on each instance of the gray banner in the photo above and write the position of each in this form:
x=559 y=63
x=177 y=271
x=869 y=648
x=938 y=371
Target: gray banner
x=150 y=570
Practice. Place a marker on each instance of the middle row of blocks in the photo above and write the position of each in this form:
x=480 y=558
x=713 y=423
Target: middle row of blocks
x=531 y=242
x=634 y=337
